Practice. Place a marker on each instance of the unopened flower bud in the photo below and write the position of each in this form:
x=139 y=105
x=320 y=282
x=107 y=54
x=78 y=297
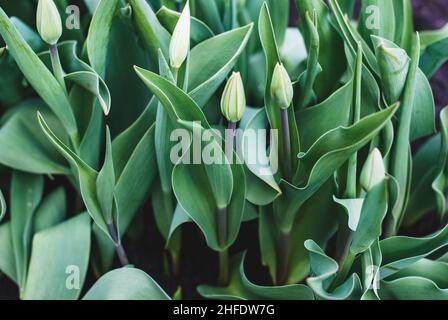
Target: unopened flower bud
x=393 y=63
x=180 y=40
x=48 y=21
x=373 y=171
x=281 y=87
x=233 y=101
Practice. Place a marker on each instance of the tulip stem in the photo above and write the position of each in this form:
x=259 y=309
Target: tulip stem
x=121 y=253
x=223 y=255
x=282 y=258
x=57 y=67
x=286 y=143
x=230 y=138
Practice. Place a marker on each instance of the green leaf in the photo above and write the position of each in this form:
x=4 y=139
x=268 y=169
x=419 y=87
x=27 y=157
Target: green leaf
x=323 y=270
x=219 y=54
x=440 y=183
x=105 y=182
x=51 y=211
x=210 y=14
x=434 y=57
x=126 y=284
x=193 y=191
x=240 y=288
x=98 y=35
x=86 y=176
x=23 y=146
x=326 y=155
x=381 y=12
x=153 y=34
x=373 y=211
x=26 y=193
x=59 y=261
x=401 y=252
x=38 y=75
x=411 y=288
x=7 y=257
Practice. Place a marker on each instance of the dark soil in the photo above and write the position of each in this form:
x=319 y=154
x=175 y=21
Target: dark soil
x=199 y=264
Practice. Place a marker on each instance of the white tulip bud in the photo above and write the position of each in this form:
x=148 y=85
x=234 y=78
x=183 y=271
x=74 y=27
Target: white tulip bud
x=180 y=40
x=281 y=87
x=233 y=100
x=373 y=171
x=48 y=20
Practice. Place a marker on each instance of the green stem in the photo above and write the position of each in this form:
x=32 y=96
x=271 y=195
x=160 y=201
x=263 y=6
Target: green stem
x=282 y=258
x=57 y=67
x=400 y=155
x=286 y=144
x=224 y=277
x=121 y=253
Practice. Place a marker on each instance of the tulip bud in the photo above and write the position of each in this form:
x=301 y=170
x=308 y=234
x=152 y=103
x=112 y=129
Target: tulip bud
x=393 y=63
x=281 y=87
x=48 y=21
x=233 y=101
x=180 y=40
x=373 y=171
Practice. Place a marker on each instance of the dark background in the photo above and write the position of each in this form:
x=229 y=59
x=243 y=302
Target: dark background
x=198 y=262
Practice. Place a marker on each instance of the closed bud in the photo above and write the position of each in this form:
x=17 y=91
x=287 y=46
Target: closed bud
x=373 y=171
x=233 y=100
x=281 y=87
x=393 y=63
x=180 y=40
x=48 y=21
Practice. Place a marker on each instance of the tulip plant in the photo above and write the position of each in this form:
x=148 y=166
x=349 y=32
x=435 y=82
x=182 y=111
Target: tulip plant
x=125 y=121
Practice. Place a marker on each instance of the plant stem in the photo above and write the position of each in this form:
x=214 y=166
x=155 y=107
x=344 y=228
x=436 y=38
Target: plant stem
x=282 y=258
x=286 y=143
x=224 y=268
x=121 y=253
x=230 y=138
x=223 y=255
x=57 y=67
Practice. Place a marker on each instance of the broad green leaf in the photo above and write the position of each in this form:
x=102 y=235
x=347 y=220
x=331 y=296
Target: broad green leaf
x=86 y=176
x=377 y=18
x=98 y=35
x=323 y=270
x=430 y=37
x=219 y=54
x=126 y=284
x=105 y=182
x=153 y=34
x=241 y=288
x=434 y=57
x=411 y=288
x=38 y=75
x=404 y=28
x=315 y=121
x=26 y=194
x=401 y=252
x=262 y=186
x=373 y=211
x=326 y=155
x=210 y=15
x=440 y=183
x=23 y=146
x=193 y=191
x=51 y=211
x=352 y=208
x=436 y=271
x=7 y=257
x=59 y=261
